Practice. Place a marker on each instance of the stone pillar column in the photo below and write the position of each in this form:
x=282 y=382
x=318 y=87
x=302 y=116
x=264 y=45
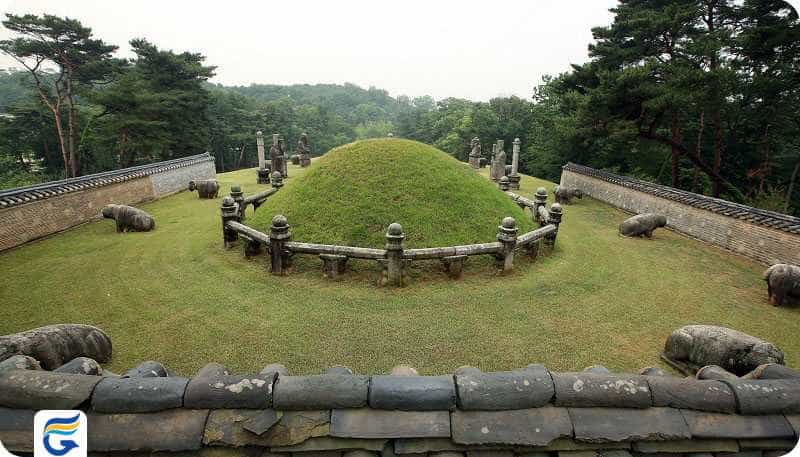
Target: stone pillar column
x=394 y=255
x=555 y=219
x=540 y=199
x=507 y=235
x=262 y=161
x=238 y=196
x=279 y=234
x=503 y=183
x=230 y=212
x=514 y=177
x=492 y=166
x=262 y=173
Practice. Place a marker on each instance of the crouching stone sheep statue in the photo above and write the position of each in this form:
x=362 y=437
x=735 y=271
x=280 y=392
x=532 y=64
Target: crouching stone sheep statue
x=55 y=345
x=206 y=188
x=783 y=283
x=642 y=224
x=695 y=346
x=564 y=195
x=129 y=219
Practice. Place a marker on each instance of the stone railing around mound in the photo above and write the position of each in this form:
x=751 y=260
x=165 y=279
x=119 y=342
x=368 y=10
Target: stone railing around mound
x=32 y=212
x=765 y=236
x=394 y=259
x=520 y=412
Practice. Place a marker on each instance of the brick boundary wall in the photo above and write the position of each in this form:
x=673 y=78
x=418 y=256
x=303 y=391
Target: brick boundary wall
x=765 y=236
x=33 y=212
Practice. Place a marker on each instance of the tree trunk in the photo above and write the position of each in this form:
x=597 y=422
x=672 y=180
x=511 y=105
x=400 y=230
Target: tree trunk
x=74 y=157
x=716 y=101
x=676 y=137
x=61 y=143
x=791 y=187
x=698 y=148
x=122 y=149
x=241 y=156
x=717 y=188
x=765 y=159
x=693 y=157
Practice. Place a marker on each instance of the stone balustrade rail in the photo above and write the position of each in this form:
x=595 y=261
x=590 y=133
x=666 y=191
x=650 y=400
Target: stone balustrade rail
x=280 y=247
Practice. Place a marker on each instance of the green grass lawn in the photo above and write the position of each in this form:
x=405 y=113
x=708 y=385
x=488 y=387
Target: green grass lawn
x=174 y=295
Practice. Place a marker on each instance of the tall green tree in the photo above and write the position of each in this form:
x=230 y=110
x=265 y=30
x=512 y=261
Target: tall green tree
x=79 y=59
x=158 y=107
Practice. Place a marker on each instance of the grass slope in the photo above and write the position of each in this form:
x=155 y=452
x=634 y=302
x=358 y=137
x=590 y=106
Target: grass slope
x=352 y=194
x=176 y=296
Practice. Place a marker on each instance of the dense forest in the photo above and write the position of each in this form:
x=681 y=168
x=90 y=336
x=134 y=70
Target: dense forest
x=697 y=94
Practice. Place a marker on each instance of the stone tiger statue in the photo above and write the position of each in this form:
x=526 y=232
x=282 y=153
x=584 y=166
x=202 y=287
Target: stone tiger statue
x=129 y=219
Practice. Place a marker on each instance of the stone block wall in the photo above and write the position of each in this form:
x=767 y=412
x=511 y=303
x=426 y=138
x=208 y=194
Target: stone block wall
x=528 y=412
x=176 y=180
x=33 y=212
x=761 y=235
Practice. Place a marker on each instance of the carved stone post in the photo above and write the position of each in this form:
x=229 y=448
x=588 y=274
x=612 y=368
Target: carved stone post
x=514 y=176
x=540 y=200
x=262 y=161
x=555 y=219
x=277 y=179
x=279 y=234
x=238 y=196
x=507 y=235
x=492 y=167
x=394 y=255
x=230 y=212
x=263 y=170
x=503 y=183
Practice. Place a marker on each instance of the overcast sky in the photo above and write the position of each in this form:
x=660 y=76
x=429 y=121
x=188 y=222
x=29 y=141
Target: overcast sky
x=470 y=49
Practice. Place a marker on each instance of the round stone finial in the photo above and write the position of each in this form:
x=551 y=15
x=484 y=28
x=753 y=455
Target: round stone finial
x=509 y=222
x=259 y=133
x=541 y=191
x=555 y=208
x=279 y=220
x=277 y=175
x=395 y=229
x=517 y=141
x=504 y=179
x=228 y=201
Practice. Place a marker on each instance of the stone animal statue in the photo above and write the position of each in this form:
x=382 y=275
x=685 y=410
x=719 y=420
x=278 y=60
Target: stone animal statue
x=564 y=195
x=129 y=219
x=206 y=188
x=696 y=346
x=642 y=224
x=55 y=345
x=783 y=283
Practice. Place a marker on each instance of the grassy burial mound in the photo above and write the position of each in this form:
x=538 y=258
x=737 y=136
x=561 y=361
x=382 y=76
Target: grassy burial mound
x=352 y=194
